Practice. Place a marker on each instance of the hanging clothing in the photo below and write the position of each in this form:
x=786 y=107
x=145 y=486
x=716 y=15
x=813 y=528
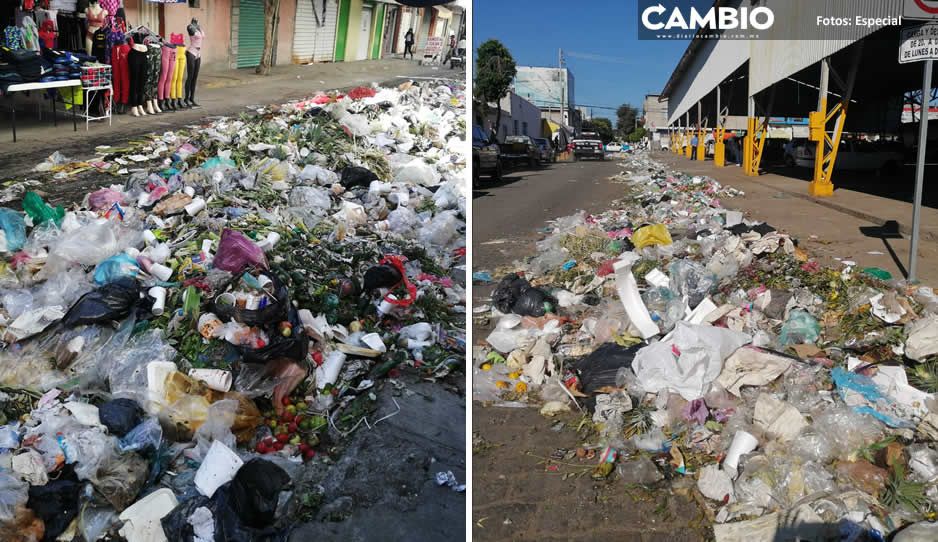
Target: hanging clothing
x=137 y=68
x=176 y=39
x=30 y=34
x=13 y=38
x=195 y=43
x=71 y=33
x=193 y=63
x=47 y=34
x=116 y=30
x=111 y=6
x=167 y=69
x=99 y=44
x=120 y=73
x=153 y=71
x=180 y=73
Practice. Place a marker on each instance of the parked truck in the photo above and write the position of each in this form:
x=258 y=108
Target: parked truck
x=588 y=145
x=520 y=150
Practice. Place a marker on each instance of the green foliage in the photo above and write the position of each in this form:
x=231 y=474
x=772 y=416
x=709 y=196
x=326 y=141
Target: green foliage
x=495 y=70
x=625 y=118
x=902 y=492
x=637 y=135
x=601 y=126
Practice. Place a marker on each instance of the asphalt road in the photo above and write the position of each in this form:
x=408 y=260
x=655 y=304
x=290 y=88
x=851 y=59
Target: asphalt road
x=508 y=213
x=514 y=497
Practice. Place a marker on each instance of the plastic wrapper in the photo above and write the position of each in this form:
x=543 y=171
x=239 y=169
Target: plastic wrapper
x=237 y=252
x=800 y=328
x=14 y=229
x=104 y=199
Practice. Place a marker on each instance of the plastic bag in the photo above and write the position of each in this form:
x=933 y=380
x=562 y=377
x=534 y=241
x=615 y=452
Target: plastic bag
x=113 y=301
x=655 y=234
x=121 y=479
x=104 y=199
x=120 y=416
x=382 y=276
x=116 y=267
x=56 y=503
x=664 y=307
x=598 y=370
x=236 y=252
x=255 y=491
x=145 y=437
x=187 y=403
x=417 y=171
x=217 y=427
x=800 y=328
x=515 y=294
x=353 y=176
x=311 y=198
x=14 y=228
x=40 y=212
x=692 y=280
x=13 y=494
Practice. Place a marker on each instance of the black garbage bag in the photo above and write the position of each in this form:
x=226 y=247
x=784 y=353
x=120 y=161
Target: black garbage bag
x=113 y=301
x=508 y=291
x=382 y=276
x=357 y=176
x=56 y=503
x=176 y=524
x=763 y=228
x=294 y=347
x=120 y=415
x=516 y=295
x=598 y=370
x=255 y=490
x=534 y=302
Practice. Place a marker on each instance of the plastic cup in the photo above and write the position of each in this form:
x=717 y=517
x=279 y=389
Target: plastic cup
x=160 y=271
x=217 y=379
x=149 y=237
x=158 y=293
x=743 y=443
x=189 y=191
x=195 y=207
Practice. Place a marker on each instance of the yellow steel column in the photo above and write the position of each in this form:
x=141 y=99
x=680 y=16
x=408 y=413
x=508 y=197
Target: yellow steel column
x=701 y=150
x=817 y=126
x=748 y=145
x=719 y=147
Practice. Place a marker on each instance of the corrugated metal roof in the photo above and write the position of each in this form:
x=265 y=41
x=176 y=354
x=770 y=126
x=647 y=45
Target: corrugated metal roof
x=774 y=60
x=713 y=62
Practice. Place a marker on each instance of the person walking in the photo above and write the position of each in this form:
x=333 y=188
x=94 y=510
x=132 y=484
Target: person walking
x=409 y=43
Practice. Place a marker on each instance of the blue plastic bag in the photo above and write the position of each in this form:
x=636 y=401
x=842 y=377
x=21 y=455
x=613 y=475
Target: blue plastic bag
x=114 y=268
x=14 y=227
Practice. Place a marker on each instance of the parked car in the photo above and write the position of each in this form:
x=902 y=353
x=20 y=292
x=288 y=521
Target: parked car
x=588 y=145
x=486 y=159
x=548 y=154
x=520 y=149
x=852 y=155
x=613 y=146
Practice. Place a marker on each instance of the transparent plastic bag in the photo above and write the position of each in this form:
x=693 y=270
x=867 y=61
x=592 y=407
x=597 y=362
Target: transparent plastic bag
x=116 y=267
x=692 y=280
x=13 y=494
x=665 y=307
x=217 y=427
x=14 y=228
x=800 y=328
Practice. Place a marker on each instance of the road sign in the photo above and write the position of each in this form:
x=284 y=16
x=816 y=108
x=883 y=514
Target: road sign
x=919 y=43
x=920 y=9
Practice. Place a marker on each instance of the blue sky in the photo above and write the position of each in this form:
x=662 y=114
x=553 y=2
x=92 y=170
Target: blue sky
x=609 y=64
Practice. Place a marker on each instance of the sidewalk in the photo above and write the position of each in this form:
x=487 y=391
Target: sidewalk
x=219 y=93
x=829 y=228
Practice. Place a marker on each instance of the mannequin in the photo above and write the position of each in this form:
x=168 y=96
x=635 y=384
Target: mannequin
x=95 y=16
x=138 y=68
x=167 y=67
x=193 y=61
x=176 y=85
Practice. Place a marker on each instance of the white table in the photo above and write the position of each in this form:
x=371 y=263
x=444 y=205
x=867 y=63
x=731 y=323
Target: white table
x=90 y=93
x=25 y=87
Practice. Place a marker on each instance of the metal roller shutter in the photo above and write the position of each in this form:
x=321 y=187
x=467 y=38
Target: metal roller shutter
x=250 y=33
x=312 y=42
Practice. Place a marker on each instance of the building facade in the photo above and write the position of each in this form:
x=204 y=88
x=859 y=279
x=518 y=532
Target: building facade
x=550 y=89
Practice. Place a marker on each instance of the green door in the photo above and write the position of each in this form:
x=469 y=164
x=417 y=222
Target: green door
x=250 y=33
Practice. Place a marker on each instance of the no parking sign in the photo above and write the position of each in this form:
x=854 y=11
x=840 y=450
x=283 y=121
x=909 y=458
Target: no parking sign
x=920 y=9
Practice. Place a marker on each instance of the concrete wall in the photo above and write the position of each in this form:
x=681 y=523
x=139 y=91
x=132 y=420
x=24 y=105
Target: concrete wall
x=215 y=19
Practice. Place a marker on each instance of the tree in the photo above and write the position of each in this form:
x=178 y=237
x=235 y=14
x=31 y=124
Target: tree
x=495 y=70
x=601 y=126
x=637 y=134
x=625 y=119
x=271 y=22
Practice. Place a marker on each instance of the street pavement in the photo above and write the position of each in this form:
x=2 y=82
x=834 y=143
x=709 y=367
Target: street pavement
x=514 y=498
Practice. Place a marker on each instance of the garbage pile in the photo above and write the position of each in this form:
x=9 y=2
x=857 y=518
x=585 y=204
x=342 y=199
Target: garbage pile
x=180 y=343
x=708 y=353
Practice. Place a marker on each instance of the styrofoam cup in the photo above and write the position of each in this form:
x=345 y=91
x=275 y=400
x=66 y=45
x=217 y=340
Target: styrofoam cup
x=160 y=271
x=743 y=443
x=195 y=207
x=217 y=379
x=158 y=293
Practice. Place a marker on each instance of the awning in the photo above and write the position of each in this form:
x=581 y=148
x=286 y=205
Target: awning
x=443 y=13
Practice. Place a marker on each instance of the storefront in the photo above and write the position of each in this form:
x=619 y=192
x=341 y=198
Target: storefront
x=315 y=31
x=360 y=30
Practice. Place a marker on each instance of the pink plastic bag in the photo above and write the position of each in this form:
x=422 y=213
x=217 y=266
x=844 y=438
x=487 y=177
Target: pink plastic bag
x=236 y=252
x=104 y=199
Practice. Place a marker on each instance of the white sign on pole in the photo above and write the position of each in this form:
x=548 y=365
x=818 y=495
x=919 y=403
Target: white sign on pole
x=920 y=9
x=919 y=43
